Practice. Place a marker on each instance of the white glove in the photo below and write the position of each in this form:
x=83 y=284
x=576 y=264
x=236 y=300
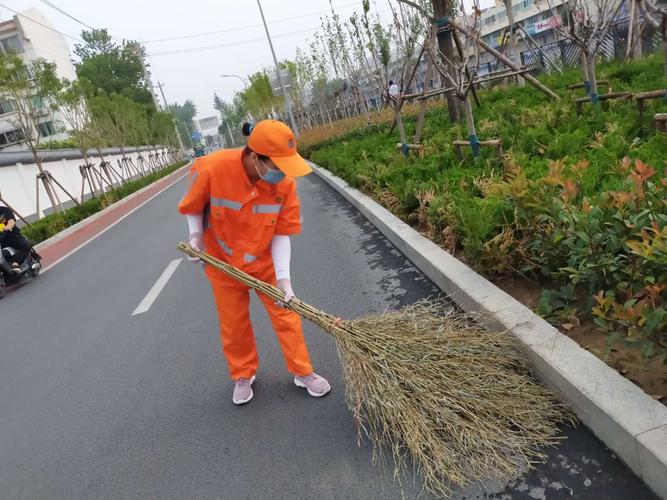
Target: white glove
x=285 y=286
x=197 y=244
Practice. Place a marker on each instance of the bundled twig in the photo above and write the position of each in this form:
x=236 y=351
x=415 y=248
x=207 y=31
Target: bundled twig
x=436 y=390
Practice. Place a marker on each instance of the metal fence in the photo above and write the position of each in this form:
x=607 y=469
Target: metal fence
x=566 y=54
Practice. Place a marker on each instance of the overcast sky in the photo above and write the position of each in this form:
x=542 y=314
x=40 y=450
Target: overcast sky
x=195 y=75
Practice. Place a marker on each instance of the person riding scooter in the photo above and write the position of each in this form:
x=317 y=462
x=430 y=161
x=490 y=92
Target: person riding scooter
x=19 y=262
x=10 y=236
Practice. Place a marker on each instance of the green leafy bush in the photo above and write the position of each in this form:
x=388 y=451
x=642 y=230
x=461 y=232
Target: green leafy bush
x=550 y=209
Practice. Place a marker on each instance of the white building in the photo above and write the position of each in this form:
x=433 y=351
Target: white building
x=31 y=41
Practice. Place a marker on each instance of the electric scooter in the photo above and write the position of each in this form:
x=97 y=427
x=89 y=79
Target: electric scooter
x=10 y=276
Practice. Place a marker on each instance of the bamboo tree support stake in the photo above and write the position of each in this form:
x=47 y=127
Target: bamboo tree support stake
x=55 y=181
x=530 y=78
x=469 y=77
x=45 y=177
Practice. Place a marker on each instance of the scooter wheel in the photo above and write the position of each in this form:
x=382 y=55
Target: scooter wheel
x=3 y=287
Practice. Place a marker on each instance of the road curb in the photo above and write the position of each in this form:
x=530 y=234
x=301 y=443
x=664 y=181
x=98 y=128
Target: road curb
x=89 y=220
x=619 y=413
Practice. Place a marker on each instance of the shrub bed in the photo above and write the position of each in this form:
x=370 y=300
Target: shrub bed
x=578 y=204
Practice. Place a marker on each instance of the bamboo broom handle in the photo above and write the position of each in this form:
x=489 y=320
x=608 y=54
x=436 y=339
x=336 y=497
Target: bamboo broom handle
x=309 y=312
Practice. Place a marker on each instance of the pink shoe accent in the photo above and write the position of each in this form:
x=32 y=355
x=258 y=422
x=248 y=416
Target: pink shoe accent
x=243 y=390
x=315 y=385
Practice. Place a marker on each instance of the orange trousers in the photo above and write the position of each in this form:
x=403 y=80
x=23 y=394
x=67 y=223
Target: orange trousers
x=238 y=340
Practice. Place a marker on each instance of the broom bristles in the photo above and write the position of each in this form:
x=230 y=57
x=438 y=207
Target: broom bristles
x=432 y=387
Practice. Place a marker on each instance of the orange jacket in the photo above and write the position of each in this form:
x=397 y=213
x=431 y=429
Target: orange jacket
x=241 y=217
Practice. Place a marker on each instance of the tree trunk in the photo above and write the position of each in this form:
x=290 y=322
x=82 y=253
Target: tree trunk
x=45 y=180
x=470 y=125
x=514 y=43
x=664 y=44
x=634 y=40
x=590 y=65
x=441 y=9
x=401 y=128
x=423 y=104
x=584 y=70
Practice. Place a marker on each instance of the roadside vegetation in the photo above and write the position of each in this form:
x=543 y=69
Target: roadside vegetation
x=576 y=207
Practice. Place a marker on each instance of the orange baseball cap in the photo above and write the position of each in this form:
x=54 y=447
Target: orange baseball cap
x=276 y=140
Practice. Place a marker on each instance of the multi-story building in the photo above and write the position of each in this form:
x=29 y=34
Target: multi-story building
x=31 y=36
x=539 y=21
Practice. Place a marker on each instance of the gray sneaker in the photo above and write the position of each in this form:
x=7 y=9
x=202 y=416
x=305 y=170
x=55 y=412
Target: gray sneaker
x=243 y=390
x=315 y=385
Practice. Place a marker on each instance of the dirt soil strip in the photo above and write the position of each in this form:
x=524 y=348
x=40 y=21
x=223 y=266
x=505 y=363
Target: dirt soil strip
x=62 y=245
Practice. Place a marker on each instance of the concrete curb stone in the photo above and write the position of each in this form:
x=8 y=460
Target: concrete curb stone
x=619 y=413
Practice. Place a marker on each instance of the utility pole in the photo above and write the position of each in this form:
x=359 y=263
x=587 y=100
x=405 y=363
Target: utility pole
x=288 y=101
x=149 y=83
x=441 y=9
x=164 y=99
x=166 y=108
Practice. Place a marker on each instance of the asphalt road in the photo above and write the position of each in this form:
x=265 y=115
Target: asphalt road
x=96 y=403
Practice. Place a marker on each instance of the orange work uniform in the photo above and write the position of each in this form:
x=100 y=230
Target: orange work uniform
x=240 y=220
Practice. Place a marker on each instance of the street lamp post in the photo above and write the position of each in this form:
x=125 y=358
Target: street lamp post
x=245 y=82
x=288 y=101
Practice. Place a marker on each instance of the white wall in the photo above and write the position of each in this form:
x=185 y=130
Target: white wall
x=18 y=182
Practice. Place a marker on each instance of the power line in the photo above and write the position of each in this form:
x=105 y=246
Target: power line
x=228 y=44
x=240 y=28
x=41 y=24
x=55 y=7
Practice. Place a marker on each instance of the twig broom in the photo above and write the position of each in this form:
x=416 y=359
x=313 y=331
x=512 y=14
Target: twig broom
x=435 y=389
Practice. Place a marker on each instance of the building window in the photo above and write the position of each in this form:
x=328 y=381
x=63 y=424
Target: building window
x=12 y=44
x=11 y=137
x=38 y=102
x=5 y=107
x=46 y=129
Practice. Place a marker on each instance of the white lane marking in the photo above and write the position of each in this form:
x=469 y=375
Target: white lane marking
x=159 y=285
x=112 y=225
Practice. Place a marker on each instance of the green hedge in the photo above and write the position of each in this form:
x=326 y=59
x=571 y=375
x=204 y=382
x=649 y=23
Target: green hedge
x=524 y=215
x=52 y=224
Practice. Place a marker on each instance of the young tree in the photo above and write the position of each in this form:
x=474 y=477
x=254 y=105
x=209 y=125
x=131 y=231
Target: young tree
x=588 y=24
x=27 y=87
x=232 y=117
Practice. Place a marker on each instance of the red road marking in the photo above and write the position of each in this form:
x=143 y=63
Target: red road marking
x=60 y=248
